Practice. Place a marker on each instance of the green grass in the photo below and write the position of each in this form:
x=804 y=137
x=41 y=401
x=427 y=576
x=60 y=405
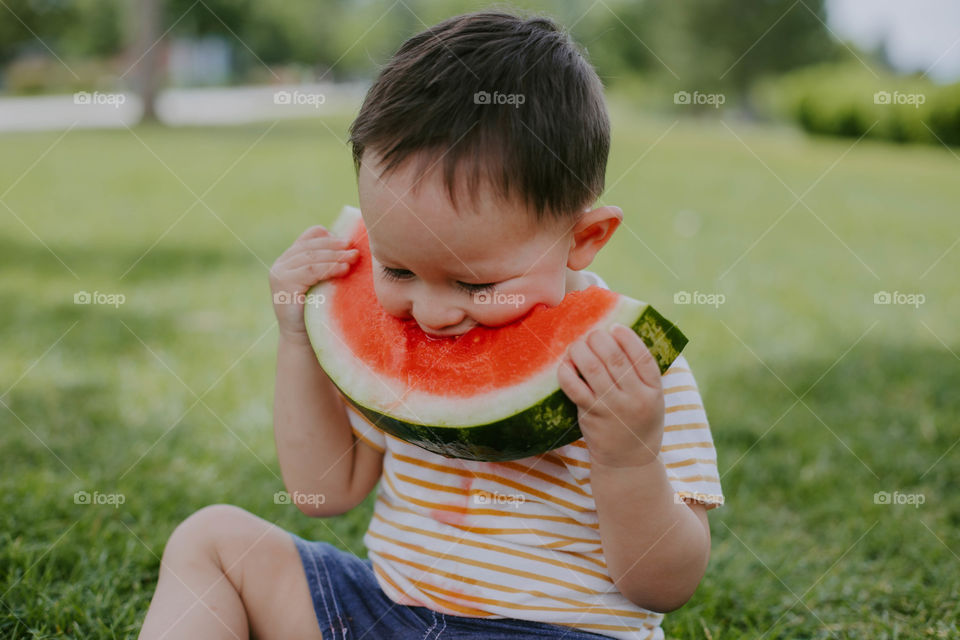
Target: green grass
x=104 y=399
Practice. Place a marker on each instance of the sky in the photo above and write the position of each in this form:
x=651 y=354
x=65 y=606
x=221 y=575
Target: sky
x=921 y=35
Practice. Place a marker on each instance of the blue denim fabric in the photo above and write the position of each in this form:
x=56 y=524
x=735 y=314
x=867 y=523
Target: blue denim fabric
x=350 y=605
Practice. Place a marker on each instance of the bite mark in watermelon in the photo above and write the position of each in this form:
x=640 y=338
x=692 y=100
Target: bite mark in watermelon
x=490 y=394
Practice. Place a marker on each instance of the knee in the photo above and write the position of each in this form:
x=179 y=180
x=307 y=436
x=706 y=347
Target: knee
x=206 y=530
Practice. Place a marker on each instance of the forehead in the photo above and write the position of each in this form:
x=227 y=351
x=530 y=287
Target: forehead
x=413 y=224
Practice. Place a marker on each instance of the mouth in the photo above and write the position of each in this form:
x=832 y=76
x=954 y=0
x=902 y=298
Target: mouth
x=441 y=336
x=437 y=336
x=413 y=324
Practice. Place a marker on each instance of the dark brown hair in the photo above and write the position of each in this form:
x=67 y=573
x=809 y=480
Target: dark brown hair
x=509 y=100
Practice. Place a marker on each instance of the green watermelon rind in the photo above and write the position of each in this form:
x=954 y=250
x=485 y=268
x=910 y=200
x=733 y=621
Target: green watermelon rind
x=544 y=426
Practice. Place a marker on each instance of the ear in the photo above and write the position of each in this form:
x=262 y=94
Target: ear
x=590 y=234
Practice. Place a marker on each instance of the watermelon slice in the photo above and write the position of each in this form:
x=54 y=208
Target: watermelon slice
x=489 y=394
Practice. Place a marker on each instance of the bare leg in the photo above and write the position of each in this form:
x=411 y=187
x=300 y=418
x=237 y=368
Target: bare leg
x=226 y=573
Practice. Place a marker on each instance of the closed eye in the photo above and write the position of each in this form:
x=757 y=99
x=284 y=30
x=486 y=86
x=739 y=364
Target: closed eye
x=396 y=274
x=476 y=288
x=403 y=274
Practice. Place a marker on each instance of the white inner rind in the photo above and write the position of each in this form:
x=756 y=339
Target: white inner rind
x=387 y=395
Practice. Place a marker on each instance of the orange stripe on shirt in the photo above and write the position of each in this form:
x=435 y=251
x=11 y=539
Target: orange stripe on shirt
x=546 y=497
x=476 y=613
x=510 y=605
x=493 y=547
x=694 y=478
x=685 y=445
x=678 y=388
x=686 y=426
x=539 y=577
x=683 y=407
x=684 y=463
x=367 y=441
x=574 y=462
x=496 y=530
x=466 y=473
x=483 y=511
x=500 y=587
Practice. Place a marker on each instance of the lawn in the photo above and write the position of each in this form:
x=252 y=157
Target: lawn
x=818 y=397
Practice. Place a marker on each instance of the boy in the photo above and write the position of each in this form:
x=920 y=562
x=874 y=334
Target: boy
x=479 y=150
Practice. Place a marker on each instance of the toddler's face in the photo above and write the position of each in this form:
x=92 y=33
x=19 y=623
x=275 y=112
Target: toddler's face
x=488 y=263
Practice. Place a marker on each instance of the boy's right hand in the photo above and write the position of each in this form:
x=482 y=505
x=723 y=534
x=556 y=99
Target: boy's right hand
x=315 y=256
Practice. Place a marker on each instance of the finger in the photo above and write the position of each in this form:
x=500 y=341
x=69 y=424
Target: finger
x=325 y=242
x=312 y=273
x=572 y=385
x=615 y=359
x=643 y=361
x=590 y=367
x=307 y=256
x=315 y=231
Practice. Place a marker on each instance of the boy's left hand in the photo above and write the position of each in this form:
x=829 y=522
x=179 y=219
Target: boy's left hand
x=619 y=396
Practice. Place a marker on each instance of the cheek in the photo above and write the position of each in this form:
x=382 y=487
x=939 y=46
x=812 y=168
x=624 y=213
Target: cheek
x=390 y=297
x=512 y=301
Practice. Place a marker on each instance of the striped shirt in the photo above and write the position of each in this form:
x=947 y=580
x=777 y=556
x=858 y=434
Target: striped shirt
x=521 y=539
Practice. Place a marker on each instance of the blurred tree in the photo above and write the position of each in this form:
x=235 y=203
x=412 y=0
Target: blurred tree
x=146 y=53
x=727 y=45
x=30 y=25
x=616 y=37
x=96 y=28
x=189 y=17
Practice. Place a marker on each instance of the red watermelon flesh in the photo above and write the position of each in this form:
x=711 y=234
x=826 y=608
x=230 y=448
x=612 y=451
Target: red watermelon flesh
x=488 y=394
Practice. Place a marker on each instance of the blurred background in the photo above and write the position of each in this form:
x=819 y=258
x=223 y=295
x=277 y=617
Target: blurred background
x=790 y=177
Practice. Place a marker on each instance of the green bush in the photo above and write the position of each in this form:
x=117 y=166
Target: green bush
x=847 y=100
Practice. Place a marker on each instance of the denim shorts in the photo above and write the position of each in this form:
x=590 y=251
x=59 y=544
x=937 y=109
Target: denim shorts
x=350 y=605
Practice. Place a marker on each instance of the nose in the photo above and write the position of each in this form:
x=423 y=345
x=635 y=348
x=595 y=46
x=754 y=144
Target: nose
x=436 y=316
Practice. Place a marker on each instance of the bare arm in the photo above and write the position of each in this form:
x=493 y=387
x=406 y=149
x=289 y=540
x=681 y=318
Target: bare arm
x=656 y=546
x=325 y=469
